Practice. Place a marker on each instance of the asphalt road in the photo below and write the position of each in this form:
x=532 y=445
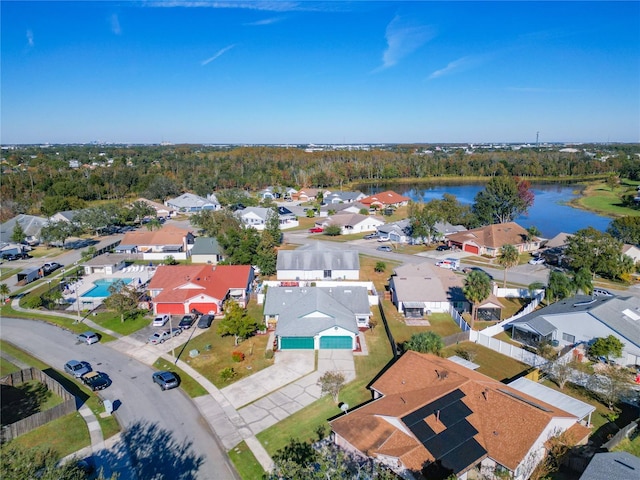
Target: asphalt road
x=166 y=434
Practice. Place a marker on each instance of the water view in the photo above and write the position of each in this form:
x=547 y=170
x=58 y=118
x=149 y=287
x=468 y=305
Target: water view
x=549 y=213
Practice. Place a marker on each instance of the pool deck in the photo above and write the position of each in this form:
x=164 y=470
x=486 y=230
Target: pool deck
x=138 y=276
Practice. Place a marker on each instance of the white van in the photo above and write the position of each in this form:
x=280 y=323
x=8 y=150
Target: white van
x=450 y=263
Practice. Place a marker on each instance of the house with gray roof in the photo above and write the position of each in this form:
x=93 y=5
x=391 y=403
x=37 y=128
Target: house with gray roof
x=612 y=466
x=206 y=250
x=257 y=217
x=318 y=261
x=317 y=317
x=343 y=197
x=350 y=223
x=31 y=225
x=191 y=203
x=582 y=319
x=65 y=216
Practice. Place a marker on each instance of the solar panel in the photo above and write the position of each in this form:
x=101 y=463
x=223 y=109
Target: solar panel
x=450 y=439
x=422 y=431
x=423 y=412
x=466 y=454
x=454 y=413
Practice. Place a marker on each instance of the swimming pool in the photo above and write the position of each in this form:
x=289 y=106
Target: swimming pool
x=101 y=288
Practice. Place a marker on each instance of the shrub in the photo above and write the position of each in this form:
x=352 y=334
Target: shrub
x=227 y=373
x=268 y=354
x=237 y=356
x=33 y=301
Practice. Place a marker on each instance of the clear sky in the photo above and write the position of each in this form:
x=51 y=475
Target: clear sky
x=319 y=72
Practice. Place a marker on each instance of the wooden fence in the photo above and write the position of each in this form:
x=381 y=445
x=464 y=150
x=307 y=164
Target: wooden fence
x=36 y=420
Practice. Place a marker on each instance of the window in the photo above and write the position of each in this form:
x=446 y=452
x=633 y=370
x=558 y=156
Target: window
x=569 y=338
x=327 y=274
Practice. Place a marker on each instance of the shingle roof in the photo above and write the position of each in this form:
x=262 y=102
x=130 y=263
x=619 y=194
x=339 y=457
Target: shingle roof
x=418 y=283
x=206 y=246
x=189 y=200
x=388 y=197
x=306 y=311
x=167 y=235
x=179 y=283
x=492 y=236
x=612 y=466
x=507 y=423
x=318 y=256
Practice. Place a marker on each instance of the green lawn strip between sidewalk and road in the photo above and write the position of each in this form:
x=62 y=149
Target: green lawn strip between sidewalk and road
x=188 y=384
x=245 y=462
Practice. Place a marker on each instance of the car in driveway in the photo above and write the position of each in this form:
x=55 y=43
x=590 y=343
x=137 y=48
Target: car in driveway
x=96 y=380
x=205 y=321
x=77 y=368
x=163 y=335
x=161 y=320
x=88 y=337
x=186 y=322
x=443 y=248
x=166 y=380
x=384 y=248
x=536 y=261
x=316 y=230
x=370 y=236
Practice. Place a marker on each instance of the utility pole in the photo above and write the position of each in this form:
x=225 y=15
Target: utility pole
x=537 y=138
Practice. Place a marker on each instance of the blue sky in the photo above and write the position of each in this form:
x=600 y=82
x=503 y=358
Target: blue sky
x=319 y=72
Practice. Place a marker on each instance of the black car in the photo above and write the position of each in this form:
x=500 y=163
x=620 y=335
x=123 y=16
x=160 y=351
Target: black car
x=96 y=380
x=166 y=380
x=443 y=248
x=186 y=322
x=11 y=256
x=205 y=321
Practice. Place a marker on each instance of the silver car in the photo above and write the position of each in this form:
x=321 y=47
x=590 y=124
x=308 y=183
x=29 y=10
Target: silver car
x=161 y=336
x=76 y=368
x=88 y=338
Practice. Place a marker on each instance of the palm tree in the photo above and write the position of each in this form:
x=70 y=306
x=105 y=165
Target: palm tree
x=4 y=291
x=477 y=287
x=582 y=281
x=508 y=258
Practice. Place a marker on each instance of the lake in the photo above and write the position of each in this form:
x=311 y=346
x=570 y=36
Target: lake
x=549 y=213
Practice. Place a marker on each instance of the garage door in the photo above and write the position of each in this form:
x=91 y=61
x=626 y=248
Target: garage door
x=294 y=343
x=336 y=342
x=471 y=249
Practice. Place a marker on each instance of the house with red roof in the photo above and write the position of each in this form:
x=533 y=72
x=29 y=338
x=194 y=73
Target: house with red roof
x=488 y=240
x=158 y=244
x=434 y=418
x=385 y=199
x=182 y=289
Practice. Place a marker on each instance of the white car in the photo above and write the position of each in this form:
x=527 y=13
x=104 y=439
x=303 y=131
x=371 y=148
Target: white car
x=536 y=261
x=160 y=320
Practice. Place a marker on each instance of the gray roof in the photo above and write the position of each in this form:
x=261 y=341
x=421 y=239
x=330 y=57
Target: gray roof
x=318 y=256
x=29 y=223
x=402 y=227
x=206 y=246
x=418 y=283
x=612 y=466
x=535 y=325
x=189 y=200
x=446 y=228
x=345 y=197
x=553 y=397
x=616 y=312
x=306 y=311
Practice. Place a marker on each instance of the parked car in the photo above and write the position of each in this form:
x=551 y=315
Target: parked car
x=160 y=320
x=384 y=248
x=186 y=322
x=96 y=380
x=316 y=230
x=50 y=267
x=11 y=256
x=205 y=321
x=77 y=368
x=88 y=338
x=601 y=292
x=370 y=236
x=166 y=380
x=450 y=263
x=163 y=335
x=443 y=248
x=536 y=261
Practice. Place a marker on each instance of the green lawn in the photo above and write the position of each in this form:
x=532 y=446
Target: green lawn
x=600 y=198
x=629 y=446
x=492 y=364
x=111 y=321
x=6 y=367
x=245 y=462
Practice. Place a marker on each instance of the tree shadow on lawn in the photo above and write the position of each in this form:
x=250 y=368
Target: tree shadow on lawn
x=153 y=453
x=22 y=401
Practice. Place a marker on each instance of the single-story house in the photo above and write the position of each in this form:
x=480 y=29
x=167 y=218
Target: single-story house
x=65 y=216
x=397 y=232
x=318 y=261
x=256 y=217
x=417 y=290
x=268 y=193
x=106 y=264
x=162 y=211
x=343 y=197
x=354 y=222
x=158 y=244
x=206 y=250
x=190 y=203
x=488 y=240
x=308 y=194
x=334 y=208
x=181 y=289
x=559 y=241
x=317 y=317
x=631 y=251
x=582 y=319
x=385 y=199
x=433 y=417
x=31 y=225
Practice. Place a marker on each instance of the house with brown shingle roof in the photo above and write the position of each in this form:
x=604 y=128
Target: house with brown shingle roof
x=431 y=417
x=158 y=244
x=388 y=198
x=181 y=289
x=488 y=240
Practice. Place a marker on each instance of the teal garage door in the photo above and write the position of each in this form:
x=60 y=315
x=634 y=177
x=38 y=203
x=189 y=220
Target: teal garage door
x=294 y=343
x=336 y=342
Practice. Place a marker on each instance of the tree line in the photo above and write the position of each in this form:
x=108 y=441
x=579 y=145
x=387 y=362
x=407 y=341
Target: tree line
x=40 y=180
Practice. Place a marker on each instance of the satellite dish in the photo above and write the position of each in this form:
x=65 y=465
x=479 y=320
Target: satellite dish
x=344 y=407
